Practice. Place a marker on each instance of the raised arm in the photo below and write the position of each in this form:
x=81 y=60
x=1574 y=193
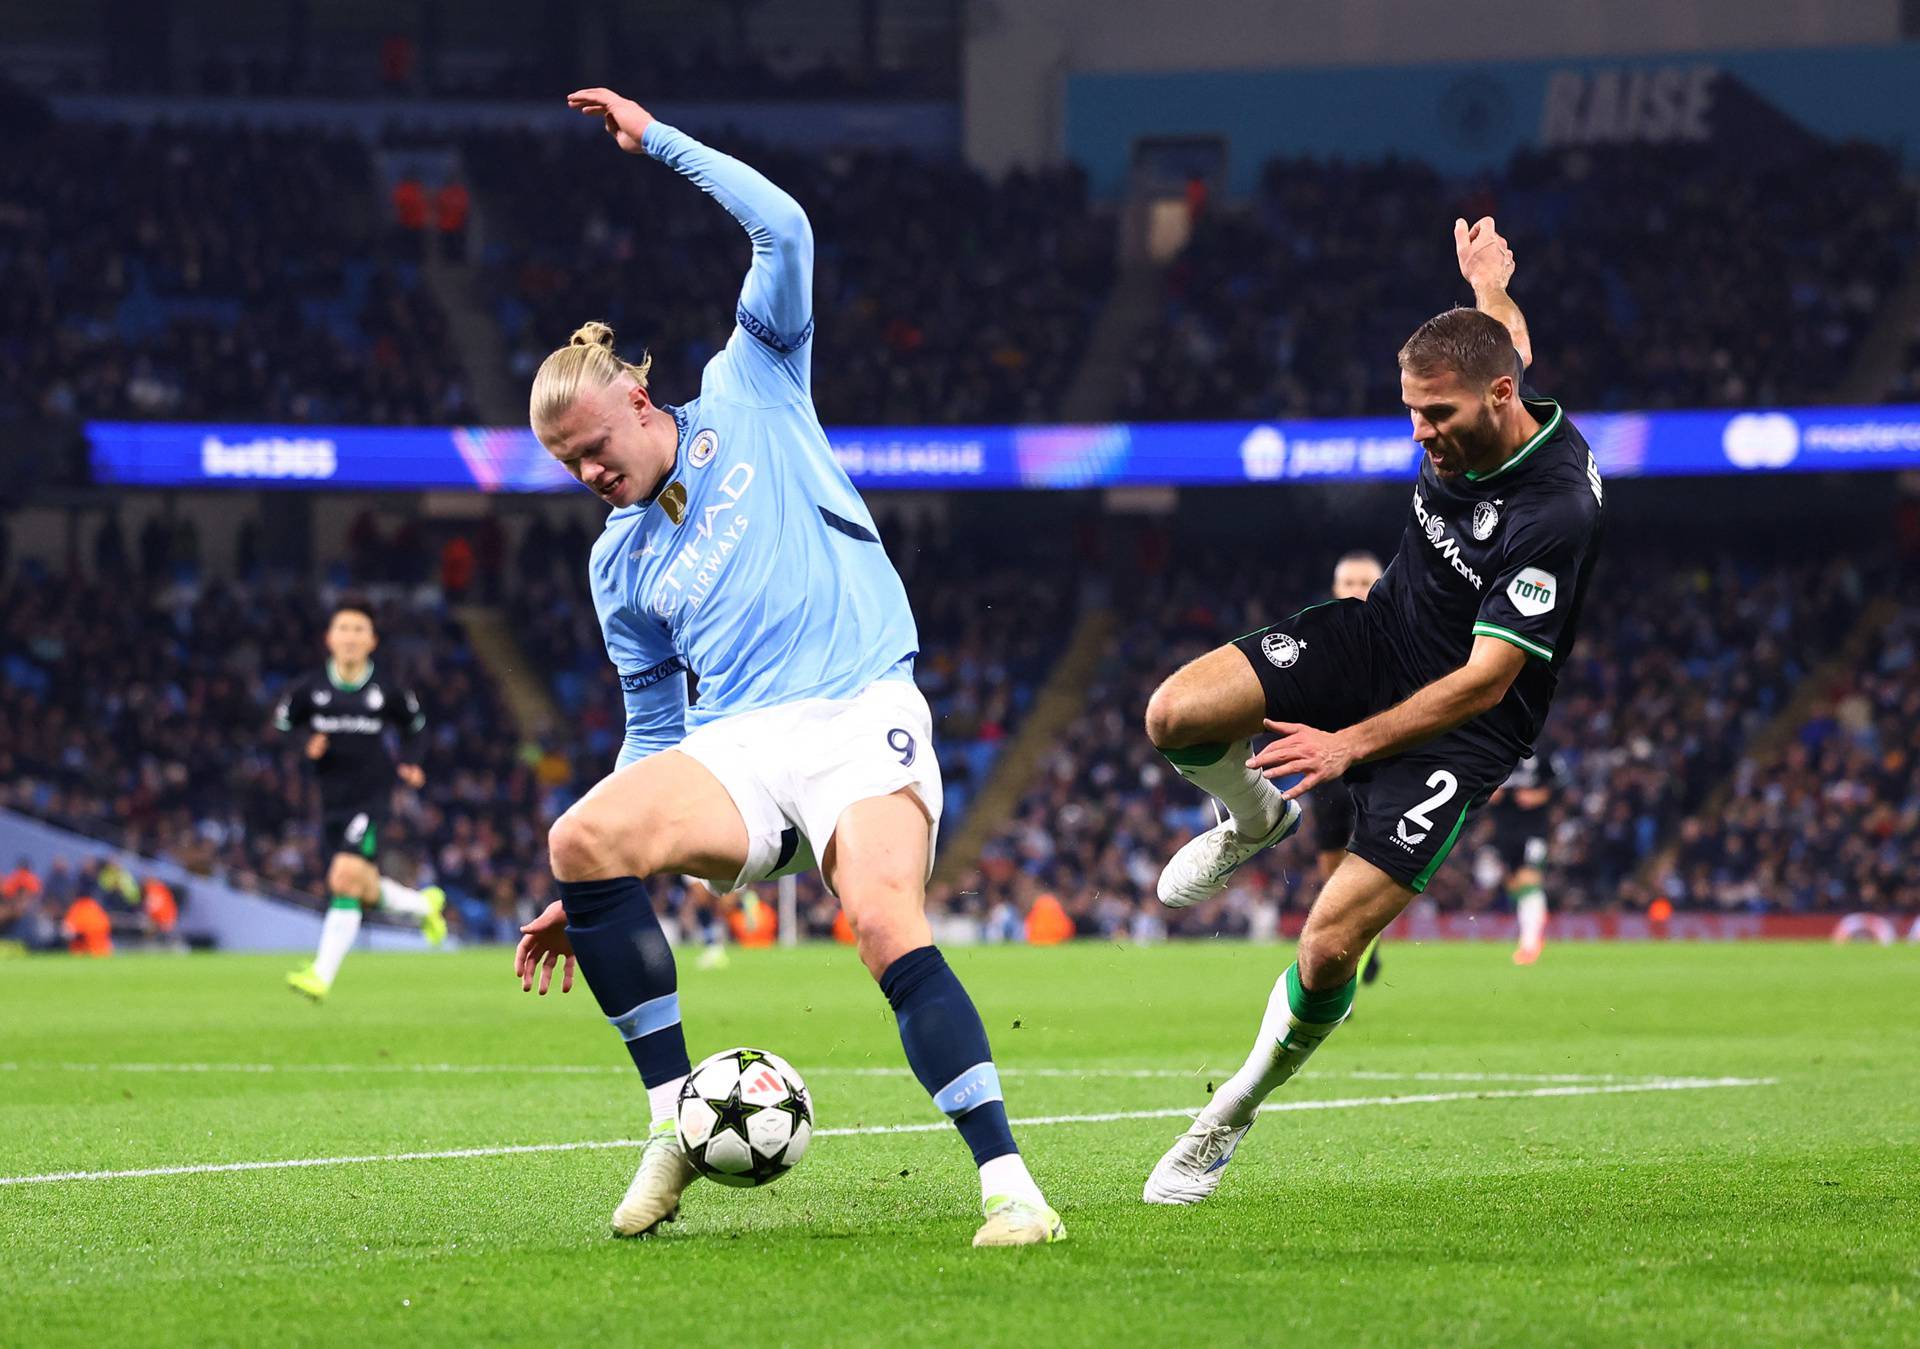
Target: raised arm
x=776 y=303
x=1486 y=264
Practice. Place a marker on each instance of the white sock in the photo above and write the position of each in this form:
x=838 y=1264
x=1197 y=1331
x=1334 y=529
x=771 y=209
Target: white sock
x=337 y=931
x=1531 y=909
x=1284 y=1044
x=1252 y=801
x=1006 y=1177
x=665 y=1099
x=398 y=898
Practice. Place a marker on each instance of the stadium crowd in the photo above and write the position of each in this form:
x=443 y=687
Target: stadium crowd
x=235 y=272
x=1679 y=664
x=1651 y=277
x=1830 y=821
x=197 y=273
x=134 y=707
x=940 y=296
x=134 y=710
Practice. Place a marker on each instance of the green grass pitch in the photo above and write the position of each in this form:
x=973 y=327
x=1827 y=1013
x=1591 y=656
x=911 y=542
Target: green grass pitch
x=1571 y=1181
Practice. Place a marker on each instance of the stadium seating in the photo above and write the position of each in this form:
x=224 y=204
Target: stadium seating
x=940 y=297
x=1829 y=823
x=1679 y=664
x=194 y=273
x=1650 y=278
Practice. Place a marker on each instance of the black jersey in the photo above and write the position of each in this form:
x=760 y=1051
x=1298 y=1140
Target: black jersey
x=1536 y=770
x=1505 y=554
x=355 y=719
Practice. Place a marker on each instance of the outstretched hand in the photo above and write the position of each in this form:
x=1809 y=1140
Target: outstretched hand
x=543 y=943
x=1319 y=756
x=1485 y=258
x=626 y=120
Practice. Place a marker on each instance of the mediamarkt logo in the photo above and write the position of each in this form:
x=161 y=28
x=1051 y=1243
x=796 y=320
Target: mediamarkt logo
x=1449 y=548
x=268 y=457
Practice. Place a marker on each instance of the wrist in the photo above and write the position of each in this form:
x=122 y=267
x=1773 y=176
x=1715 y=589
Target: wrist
x=1353 y=740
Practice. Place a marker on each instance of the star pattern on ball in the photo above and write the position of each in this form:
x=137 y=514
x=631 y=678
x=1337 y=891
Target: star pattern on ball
x=732 y=1113
x=797 y=1109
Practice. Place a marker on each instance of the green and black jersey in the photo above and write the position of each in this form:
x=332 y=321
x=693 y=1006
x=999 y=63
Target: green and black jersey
x=355 y=718
x=1505 y=554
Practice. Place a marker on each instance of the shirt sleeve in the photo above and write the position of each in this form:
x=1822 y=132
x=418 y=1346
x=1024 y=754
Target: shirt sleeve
x=770 y=353
x=1531 y=597
x=653 y=683
x=406 y=717
x=294 y=710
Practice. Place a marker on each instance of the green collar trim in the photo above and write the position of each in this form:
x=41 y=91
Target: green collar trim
x=1539 y=438
x=333 y=677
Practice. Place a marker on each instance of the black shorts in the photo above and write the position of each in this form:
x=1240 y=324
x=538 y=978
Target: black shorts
x=1330 y=666
x=353 y=829
x=1520 y=837
x=1330 y=816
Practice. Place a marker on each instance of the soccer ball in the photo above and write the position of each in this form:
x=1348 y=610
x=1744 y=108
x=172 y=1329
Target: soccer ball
x=745 y=1117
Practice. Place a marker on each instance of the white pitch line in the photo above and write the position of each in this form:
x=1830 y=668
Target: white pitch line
x=821 y=1070
x=1031 y=1121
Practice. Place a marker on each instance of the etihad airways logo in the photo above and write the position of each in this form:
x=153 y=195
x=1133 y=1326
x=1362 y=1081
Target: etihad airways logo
x=1436 y=531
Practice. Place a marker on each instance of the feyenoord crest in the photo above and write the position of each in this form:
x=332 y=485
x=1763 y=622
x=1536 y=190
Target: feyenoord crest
x=701 y=452
x=375 y=699
x=1486 y=519
x=674 y=502
x=1282 y=649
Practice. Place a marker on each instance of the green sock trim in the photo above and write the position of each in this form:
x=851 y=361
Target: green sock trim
x=345 y=902
x=1319 y=1009
x=1526 y=892
x=1196 y=756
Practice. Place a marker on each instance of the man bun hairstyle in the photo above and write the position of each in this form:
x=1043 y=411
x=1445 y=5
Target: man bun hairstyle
x=1474 y=345
x=587 y=361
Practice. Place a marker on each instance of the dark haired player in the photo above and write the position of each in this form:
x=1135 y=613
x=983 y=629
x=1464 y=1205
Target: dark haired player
x=345 y=713
x=1423 y=698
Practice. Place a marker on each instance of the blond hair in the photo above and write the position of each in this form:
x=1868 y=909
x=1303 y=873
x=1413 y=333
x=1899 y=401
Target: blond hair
x=588 y=360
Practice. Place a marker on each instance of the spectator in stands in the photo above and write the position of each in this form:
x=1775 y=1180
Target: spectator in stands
x=87 y=928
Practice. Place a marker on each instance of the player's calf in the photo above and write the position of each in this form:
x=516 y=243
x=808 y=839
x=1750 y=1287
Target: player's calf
x=877 y=864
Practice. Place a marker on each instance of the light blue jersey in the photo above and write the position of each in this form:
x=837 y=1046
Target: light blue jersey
x=757 y=566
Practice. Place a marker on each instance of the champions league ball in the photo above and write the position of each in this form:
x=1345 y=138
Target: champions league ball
x=745 y=1117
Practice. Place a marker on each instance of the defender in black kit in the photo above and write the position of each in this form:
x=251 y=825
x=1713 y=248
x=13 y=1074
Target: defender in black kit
x=1422 y=698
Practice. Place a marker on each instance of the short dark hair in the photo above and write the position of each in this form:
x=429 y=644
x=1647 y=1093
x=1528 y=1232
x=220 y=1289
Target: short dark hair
x=1474 y=345
x=354 y=604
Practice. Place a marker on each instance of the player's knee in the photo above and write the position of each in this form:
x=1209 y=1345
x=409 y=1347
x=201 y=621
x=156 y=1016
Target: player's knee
x=887 y=922
x=578 y=847
x=1331 y=955
x=346 y=877
x=1170 y=723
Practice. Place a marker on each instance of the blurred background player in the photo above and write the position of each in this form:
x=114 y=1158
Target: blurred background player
x=1353 y=576
x=739 y=550
x=1522 y=824
x=345 y=713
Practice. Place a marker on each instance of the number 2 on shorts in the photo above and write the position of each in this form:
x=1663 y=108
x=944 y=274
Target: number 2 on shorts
x=1448 y=785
